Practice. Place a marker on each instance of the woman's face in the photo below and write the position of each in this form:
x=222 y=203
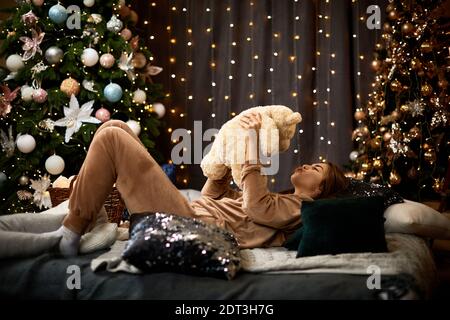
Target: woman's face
x=308 y=178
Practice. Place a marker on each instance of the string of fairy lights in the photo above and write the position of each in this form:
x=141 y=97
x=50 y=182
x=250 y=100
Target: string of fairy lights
x=221 y=91
x=297 y=77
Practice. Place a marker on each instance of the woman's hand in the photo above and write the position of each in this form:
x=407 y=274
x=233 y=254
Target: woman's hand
x=251 y=120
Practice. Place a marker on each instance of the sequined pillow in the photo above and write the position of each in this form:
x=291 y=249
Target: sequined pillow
x=161 y=242
x=358 y=188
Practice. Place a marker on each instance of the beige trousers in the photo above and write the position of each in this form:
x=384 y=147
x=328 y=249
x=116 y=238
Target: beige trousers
x=116 y=155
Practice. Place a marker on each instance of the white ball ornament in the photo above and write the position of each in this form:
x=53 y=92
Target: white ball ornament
x=26 y=92
x=353 y=155
x=14 y=63
x=26 y=143
x=159 y=109
x=134 y=126
x=54 y=164
x=89 y=57
x=88 y=3
x=139 y=96
x=107 y=60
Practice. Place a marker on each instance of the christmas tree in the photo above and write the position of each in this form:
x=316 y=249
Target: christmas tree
x=402 y=136
x=70 y=65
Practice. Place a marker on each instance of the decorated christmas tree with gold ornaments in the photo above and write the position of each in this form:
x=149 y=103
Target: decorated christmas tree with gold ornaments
x=402 y=137
x=69 y=66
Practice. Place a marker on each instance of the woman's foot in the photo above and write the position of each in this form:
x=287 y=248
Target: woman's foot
x=70 y=242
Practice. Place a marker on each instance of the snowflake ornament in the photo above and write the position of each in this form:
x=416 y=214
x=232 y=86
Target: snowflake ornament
x=416 y=107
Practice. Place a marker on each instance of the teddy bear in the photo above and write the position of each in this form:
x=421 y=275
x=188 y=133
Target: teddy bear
x=228 y=149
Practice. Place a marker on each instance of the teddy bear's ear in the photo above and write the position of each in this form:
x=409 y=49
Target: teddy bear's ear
x=293 y=119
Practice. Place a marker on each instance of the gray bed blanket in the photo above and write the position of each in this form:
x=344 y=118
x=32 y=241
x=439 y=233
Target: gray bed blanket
x=407 y=255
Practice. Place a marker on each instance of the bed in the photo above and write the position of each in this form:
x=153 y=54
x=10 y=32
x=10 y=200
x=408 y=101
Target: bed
x=45 y=277
x=407 y=271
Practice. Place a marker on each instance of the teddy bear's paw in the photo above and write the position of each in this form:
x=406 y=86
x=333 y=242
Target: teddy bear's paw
x=214 y=171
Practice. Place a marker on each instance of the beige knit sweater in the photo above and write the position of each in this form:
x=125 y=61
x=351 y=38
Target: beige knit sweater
x=257 y=217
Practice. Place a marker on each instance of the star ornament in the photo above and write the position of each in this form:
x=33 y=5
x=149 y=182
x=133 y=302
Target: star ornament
x=76 y=116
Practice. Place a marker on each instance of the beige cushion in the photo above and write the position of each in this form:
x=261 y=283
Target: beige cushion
x=102 y=236
x=416 y=218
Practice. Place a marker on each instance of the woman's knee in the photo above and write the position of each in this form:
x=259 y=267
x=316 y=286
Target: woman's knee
x=120 y=125
x=111 y=123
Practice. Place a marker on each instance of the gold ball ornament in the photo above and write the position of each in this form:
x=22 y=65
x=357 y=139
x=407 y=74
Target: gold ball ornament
x=375 y=143
x=407 y=28
x=387 y=136
x=366 y=167
x=395 y=114
x=394 y=178
x=360 y=115
x=426 y=47
x=415 y=133
x=443 y=84
x=376 y=65
x=24 y=180
x=404 y=108
x=438 y=185
x=416 y=64
x=378 y=164
x=393 y=15
x=360 y=175
x=70 y=86
x=124 y=11
x=133 y=17
x=396 y=86
x=430 y=156
x=139 y=60
x=387 y=27
x=426 y=89
x=390 y=7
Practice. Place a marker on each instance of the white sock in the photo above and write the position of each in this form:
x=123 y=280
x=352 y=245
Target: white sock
x=53 y=234
x=70 y=242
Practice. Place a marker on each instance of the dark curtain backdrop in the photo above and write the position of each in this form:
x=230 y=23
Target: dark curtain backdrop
x=223 y=56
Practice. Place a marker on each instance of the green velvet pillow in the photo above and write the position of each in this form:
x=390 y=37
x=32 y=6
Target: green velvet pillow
x=345 y=225
x=293 y=241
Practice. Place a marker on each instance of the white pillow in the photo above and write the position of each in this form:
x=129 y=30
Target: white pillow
x=101 y=237
x=63 y=207
x=416 y=218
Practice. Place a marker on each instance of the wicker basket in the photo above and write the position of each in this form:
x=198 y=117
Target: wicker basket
x=114 y=204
